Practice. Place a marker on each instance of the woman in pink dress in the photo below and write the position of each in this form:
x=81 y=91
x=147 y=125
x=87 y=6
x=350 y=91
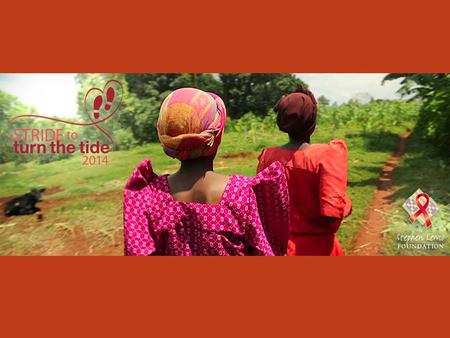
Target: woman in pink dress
x=196 y=211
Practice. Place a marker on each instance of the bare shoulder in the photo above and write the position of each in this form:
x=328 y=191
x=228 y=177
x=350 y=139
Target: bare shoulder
x=217 y=181
x=208 y=190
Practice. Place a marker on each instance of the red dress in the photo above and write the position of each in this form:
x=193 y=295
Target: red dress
x=317 y=181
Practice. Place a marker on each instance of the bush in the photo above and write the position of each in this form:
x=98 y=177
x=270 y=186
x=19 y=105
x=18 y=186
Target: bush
x=124 y=139
x=434 y=92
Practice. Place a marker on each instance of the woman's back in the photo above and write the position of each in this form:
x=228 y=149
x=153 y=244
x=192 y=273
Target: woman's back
x=317 y=180
x=206 y=188
x=157 y=222
x=196 y=211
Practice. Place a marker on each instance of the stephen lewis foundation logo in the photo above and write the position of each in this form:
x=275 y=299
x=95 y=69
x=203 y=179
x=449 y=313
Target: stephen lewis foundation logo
x=420 y=207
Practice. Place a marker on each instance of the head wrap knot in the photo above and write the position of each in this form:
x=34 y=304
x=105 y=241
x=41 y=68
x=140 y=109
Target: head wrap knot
x=191 y=123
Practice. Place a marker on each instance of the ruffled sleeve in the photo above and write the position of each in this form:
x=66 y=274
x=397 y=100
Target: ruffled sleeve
x=333 y=172
x=136 y=203
x=255 y=235
x=272 y=199
x=261 y=161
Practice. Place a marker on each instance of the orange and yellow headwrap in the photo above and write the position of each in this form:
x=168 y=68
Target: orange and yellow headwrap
x=191 y=123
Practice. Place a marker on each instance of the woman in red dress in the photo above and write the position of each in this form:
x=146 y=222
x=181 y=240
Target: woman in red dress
x=317 y=178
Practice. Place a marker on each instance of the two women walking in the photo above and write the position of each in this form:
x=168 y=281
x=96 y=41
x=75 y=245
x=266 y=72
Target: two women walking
x=294 y=205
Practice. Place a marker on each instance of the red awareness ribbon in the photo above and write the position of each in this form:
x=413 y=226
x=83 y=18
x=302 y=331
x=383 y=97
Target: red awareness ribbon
x=422 y=209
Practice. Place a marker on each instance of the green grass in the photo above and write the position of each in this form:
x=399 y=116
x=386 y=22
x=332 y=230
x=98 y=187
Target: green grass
x=96 y=223
x=420 y=168
x=100 y=220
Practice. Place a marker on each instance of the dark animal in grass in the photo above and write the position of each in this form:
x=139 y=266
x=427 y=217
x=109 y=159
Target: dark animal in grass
x=25 y=204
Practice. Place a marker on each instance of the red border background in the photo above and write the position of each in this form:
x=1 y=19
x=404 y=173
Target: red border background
x=227 y=36
x=212 y=297
x=215 y=297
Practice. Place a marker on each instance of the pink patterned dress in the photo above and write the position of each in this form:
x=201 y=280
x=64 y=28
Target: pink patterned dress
x=251 y=218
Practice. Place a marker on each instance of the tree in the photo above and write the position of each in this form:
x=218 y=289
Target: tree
x=242 y=93
x=158 y=85
x=256 y=93
x=143 y=94
x=10 y=106
x=323 y=101
x=434 y=92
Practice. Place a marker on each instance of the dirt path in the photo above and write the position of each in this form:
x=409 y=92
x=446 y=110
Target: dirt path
x=369 y=241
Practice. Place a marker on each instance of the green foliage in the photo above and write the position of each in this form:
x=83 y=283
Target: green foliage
x=158 y=85
x=323 y=101
x=124 y=139
x=375 y=116
x=86 y=82
x=11 y=107
x=206 y=82
x=242 y=93
x=248 y=97
x=422 y=169
x=139 y=116
x=434 y=92
x=252 y=127
x=255 y=93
